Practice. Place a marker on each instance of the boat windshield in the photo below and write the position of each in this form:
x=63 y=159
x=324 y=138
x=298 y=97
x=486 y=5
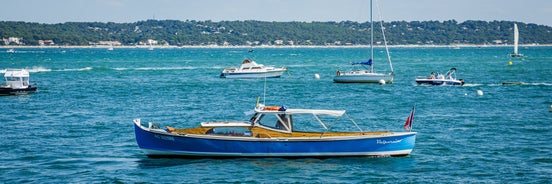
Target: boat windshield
x=12 y=79
x=275 y=121
x=246 y=61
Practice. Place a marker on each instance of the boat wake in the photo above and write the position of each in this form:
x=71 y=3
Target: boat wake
x=530 y=84
x=32 y=70
x=89 y=68
x=512 y=84
x=28 y=51
x=158 y=68
x=505 y=84
x=76 y=69
x=473 y=85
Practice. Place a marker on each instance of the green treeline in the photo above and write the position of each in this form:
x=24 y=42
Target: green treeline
x=190 y=32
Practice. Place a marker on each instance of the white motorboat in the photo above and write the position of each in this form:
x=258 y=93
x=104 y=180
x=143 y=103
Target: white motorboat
x=250 y=69
x=438 y=80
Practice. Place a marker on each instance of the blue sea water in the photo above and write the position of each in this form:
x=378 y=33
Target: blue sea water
x=78 y=127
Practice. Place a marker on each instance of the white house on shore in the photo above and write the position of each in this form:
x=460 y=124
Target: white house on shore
x=15 y=40
x=46 y=42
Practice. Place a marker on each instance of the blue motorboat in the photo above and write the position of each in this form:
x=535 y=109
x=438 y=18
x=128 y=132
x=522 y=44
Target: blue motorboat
x=271 y=132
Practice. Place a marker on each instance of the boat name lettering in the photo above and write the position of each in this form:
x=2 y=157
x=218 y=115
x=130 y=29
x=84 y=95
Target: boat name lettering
x=168 y=138
x=388 y=142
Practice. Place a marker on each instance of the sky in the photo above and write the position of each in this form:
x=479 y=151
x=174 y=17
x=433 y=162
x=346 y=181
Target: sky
x=128 y=11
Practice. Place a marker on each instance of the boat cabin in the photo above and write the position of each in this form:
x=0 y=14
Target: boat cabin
x=274 y=121
x=249 y=64
x=281 y=119
x=251 y=69
x=17 y=78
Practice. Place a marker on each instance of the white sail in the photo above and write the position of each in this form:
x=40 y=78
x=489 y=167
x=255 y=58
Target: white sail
x=516 y=39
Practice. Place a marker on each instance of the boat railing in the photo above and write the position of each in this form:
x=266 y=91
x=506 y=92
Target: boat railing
x=424 y=77
x=230 y=69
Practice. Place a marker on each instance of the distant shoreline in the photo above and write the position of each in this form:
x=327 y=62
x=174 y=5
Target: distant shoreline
x=270 y=46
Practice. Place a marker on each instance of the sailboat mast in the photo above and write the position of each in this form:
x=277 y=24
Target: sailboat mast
x=371 y=38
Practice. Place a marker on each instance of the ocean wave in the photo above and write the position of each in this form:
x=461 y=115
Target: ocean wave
x=218 y=67
x=29 y=51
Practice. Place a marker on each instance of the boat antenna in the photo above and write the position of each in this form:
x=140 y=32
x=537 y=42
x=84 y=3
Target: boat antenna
x=384 y=40
x=371 y=38
x=264 y=92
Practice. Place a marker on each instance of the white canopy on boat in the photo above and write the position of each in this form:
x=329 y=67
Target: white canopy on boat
x=316 y=112
x=16 y=73
x=284 y=110
x=277 y=110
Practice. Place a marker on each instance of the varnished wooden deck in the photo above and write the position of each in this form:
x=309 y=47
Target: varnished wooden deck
x=265 y=133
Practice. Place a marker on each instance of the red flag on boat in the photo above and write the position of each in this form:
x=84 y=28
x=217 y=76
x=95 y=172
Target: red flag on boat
x=410 y=119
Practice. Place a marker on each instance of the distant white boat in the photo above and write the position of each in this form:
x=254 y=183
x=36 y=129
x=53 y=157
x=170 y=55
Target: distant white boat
x=367 y=75
x=110 y=47
x=10 y=51
x=250 y=69
x=516 y=40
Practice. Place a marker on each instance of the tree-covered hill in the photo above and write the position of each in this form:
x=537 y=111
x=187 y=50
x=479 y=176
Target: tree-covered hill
x=190 y=32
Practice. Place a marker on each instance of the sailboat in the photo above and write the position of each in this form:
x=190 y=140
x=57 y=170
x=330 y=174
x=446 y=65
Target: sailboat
x=367 y=75
x=516 y=40
x=150 y=47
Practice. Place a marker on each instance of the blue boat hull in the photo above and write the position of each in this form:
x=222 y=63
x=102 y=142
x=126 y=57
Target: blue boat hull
x=156 y=143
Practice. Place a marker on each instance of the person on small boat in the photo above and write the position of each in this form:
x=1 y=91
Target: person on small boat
x=440 y=76
x=432 y=75
x=246 y=61
x=449 y=76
